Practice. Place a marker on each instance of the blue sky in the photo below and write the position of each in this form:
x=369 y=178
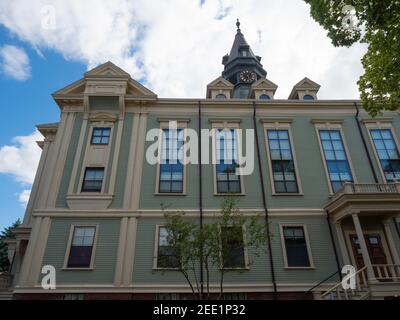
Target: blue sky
x=25 y=104
x=173 y=47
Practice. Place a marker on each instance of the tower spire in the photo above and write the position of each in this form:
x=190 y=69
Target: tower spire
x=238 y=25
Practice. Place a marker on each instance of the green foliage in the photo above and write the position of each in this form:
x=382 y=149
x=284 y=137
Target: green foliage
x=216 y=244
x=6 y=234
x=377 y=23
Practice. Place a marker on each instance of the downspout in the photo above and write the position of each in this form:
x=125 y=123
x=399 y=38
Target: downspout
x=333 y=244
x=200 y=201
x=271 y=261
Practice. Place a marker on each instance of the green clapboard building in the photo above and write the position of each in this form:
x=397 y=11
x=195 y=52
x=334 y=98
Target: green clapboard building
x=325 y=175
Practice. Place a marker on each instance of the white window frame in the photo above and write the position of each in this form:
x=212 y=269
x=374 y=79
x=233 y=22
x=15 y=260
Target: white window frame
x=336 y=126
x=283 y=245
x=231 y=124
x=69 y=244
x=245 y=251
x=155 y=252
x=89 y=147
x=381 y=125
x=181 y=124
x=282 y=126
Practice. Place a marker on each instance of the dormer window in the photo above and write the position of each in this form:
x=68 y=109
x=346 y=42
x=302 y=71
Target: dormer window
x=220 y=96
x=244 y=53
x=308 y=97
x=265 y=97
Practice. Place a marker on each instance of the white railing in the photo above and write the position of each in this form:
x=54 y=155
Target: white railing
x=366 y=188
x=5 y=281
x=386 y=272
x=338 y=293
x=383 y=273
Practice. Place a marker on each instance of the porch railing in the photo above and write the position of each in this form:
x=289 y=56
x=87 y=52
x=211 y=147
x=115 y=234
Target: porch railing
x=5 y=281
x=365 y=188
x=386 y=272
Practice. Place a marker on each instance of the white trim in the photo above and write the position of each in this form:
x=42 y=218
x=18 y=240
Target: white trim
x=333 y=127
x=307 y=239
x=380 y=125
x=69 y=244
x=280 y=125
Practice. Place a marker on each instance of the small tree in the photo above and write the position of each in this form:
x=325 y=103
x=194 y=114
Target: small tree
x=6 y=234
x=213 y=244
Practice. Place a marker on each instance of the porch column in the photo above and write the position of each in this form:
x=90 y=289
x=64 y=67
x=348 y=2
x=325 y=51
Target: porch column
x=342 y=243
x=363 y=246
x=390 y=241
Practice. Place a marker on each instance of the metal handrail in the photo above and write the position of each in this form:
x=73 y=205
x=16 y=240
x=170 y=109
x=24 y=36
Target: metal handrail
x=321 y=282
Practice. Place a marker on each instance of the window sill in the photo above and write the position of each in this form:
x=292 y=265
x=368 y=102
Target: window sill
x=170 y=193
x=77 y=269
x=164 y=269
x=236 y=269
x=89 y=201
x=229 y=194
x=287 y=194
x=299 y=268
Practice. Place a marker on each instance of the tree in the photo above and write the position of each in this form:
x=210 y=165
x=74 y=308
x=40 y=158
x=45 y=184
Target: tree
x=217 y=244
x=377 y=23
x=6 y=234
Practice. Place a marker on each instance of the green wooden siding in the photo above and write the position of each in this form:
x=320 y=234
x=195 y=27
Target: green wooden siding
x=105 y=254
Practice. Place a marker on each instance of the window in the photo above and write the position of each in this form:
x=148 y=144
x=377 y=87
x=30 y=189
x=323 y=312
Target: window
x=93 y=180
x=282 y=163
x=166 y=256
x=296 y=247
x=308 y=97
x=265 y=97
x=227 y=179
x=171 y=167
x=101 y=136
x=233 y=255
x=388 y=153
x=80 y=254
x=167 y=296
x=220 y=96
x=244 y=53
x=335 y=157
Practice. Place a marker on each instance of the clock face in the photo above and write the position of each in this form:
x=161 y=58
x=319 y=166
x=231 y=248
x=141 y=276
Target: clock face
x=247 y=76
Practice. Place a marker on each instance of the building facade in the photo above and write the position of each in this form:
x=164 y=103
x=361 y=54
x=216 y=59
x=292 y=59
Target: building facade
x=326 y=176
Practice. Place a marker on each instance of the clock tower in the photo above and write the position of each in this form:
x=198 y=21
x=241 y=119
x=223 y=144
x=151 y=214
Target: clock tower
x=242 y=67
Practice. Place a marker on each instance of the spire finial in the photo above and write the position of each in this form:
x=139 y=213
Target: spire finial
x=238 y=25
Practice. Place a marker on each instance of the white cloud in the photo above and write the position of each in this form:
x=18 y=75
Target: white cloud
x=176 y=46
x=14 y=62
x=21 y=158
x=23 y=197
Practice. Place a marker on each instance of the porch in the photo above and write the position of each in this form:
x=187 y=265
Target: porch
x=364 y=219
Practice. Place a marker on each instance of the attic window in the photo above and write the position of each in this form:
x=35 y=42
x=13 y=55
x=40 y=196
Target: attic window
x=220 y=96
x=265 y=97
x=308 y=97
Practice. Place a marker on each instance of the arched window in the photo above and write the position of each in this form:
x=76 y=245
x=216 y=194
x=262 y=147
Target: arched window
x=220 y=96
x=308 y=97
x=265 y=97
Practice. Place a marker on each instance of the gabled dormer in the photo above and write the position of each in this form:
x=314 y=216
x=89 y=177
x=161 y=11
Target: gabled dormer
x=306 y=89
x=263 y=89
x=220 y=89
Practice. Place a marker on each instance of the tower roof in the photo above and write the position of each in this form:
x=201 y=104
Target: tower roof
x=238 y=44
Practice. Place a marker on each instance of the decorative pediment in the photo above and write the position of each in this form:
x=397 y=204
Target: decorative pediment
x=264 y=83
x=219 y=86
x=107 y=69
x=305 y=88
x=136 y=89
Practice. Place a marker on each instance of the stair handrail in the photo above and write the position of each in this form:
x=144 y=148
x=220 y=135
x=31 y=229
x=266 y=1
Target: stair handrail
x=321 y=282
x=340 y=283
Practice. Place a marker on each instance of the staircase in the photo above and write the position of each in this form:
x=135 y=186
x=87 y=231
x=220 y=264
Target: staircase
x=365 y=287
x=6 y=295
